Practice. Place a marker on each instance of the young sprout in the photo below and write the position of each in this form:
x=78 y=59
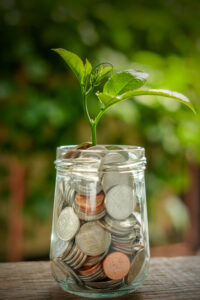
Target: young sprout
x=117 y=87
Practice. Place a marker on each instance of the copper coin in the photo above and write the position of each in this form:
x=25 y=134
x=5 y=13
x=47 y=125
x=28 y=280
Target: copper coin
x=94 y=211
x=116 y=265
x=91 y=201
x=86 y=271
x=75 y=153
x=91 y=261
x=86 y=217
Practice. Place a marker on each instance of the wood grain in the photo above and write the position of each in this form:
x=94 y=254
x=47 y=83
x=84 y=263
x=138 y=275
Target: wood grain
x=169 y=278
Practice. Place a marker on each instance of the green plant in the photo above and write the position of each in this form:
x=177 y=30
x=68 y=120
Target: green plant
x=117 y=87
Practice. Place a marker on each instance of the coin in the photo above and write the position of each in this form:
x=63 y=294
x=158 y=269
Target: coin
x=79 y=265
x=86 y=185
x=69 y=270
x=60 y=248
x=98 y=147
x=97 y=151
x=68 y=224
x=74 y=153
x=93 y=274
x=120 y=201
x=126 y=224
x=116 y=265
x=92 y=239
x=76 y=256
x=88 y=270
x=71 y=253
x=69 y=194
x=92 y=260
x=88 y=217
x=113 y=178
x=104 y=284
x=89 y=203
x=136 y=266
x=113 y=158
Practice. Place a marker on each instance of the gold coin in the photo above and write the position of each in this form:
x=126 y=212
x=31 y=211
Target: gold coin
x=92 y=239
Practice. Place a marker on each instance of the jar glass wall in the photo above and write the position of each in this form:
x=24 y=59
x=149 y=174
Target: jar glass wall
x=99 y=242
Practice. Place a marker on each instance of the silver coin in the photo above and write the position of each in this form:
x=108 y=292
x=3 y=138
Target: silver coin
x=136 y=266
x=126 y=238
x=86 y=187
x=113 y=178
x=78 y=265
x=104 y=284
x=69 y=270
x=98 y=153
x=68 y=224
x=92 y=239
x=126 y=224
x=71 y=253
x=113 y=158
x=98 y=147
x=76 y=256
x=120 y=201
x=69 y=194
x=115 y=230
x=112 y=229
x=59 y=248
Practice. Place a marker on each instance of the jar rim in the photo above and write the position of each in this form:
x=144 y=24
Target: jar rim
x=118 y=148
x=66 y=154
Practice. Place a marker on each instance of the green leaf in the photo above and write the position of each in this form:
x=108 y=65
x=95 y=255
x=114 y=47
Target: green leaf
x=108 y=100
x=103 y=73
x=165 y=93
x=88 y=68
x=122 y=82
x=74 y=62
x=99 y=73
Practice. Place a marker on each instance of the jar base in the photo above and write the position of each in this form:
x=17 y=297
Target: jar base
x=124 y=289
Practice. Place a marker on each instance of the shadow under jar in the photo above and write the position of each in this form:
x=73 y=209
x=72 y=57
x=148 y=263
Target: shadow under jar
x=99 y=241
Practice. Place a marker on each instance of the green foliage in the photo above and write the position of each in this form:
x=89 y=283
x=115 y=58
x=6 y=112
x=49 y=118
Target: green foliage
x=123 y=82
x=119 y=87
x=75 y=63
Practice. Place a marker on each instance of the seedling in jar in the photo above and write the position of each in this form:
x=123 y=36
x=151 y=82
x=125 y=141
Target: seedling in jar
x=117 y=86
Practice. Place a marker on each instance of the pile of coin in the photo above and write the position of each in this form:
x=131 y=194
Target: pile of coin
x=97 y=237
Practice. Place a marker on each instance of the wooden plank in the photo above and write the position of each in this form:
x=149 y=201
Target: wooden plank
x=169 y=278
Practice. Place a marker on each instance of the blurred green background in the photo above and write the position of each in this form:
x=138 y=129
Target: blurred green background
x=40 y=109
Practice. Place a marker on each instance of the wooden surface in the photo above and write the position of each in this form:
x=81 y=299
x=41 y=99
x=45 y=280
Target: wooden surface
x=169 y=278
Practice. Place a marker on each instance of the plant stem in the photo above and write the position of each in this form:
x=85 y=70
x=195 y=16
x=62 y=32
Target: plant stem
x=98 y=117
x=93 y=130
x=92 y=124
x=86 y=112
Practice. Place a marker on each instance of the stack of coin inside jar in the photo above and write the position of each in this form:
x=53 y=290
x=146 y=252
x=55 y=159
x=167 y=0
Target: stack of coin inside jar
x=97 y=237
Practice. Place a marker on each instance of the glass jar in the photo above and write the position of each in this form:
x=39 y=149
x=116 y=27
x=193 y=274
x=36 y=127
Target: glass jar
x=99 y=241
